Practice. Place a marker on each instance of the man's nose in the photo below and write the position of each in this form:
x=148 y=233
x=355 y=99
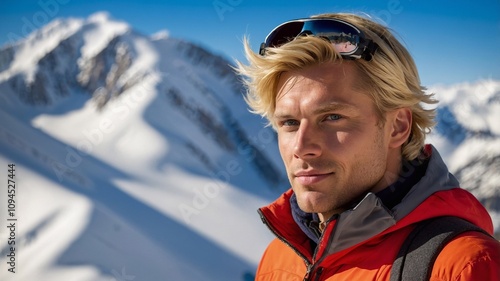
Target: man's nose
x=307 y=141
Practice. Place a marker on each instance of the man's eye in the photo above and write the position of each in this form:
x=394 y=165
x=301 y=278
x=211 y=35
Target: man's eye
x=290 y=123
x=333 y=117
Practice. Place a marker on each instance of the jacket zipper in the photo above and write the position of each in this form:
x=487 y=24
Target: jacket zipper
x=310 y=269
x=310 y=266
x=264 y=220
x=308 y=275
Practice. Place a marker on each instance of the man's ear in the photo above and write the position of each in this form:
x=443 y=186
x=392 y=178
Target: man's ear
x=401 y=127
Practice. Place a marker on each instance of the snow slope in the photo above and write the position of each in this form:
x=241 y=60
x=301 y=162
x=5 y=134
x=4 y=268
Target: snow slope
x=136 y=157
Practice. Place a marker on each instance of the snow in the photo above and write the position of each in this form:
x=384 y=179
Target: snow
x=34 y=49
x=467 y=99
x=160 y=35
x=475 y=108
x=102 y=27
x=96 y=222
x=203 y=208
x=115 y=193
x=60 y=215
x=112 y=134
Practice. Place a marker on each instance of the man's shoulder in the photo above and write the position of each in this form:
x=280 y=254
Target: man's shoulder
x=277 y=249
x=280 y=259
x=469 y=256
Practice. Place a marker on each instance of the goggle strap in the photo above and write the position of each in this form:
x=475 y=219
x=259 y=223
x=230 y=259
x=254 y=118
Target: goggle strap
x=369 y=51
x=367 y=55
x=262 y=50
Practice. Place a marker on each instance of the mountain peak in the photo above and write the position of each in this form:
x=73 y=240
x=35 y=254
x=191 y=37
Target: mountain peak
x=160 y=35
x=103 y=18
x=85 y=36
x=99 y=17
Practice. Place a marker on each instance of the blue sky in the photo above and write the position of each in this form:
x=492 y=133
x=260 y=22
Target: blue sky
x=451 y=41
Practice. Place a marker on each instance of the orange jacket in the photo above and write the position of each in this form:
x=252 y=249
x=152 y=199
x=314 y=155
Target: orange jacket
x=362 y=243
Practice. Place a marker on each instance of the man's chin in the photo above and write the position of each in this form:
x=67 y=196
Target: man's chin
x=312 y=202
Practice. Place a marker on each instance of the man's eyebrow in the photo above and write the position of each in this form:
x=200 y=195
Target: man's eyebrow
x=333 y=107
x=282 y=116
x=319 y=110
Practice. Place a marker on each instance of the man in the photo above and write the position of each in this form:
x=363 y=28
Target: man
x=345 y=99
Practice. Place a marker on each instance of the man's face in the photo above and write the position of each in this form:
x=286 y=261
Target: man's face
x=334 y=148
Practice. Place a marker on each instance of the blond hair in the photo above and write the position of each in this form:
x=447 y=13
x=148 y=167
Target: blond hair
x=391 y=78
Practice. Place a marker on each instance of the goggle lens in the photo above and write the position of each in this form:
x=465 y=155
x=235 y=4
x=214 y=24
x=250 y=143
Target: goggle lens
x=347 y=40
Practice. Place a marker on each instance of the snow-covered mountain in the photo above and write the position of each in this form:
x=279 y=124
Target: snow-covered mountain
x=468 y=136
x=136 y=157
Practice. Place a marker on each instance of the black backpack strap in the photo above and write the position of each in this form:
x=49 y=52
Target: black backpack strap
x=421 y=248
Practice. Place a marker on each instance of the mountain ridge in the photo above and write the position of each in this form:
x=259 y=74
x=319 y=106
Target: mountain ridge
x=149 y=135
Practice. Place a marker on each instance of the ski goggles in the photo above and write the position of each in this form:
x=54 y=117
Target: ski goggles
x=349 y=41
